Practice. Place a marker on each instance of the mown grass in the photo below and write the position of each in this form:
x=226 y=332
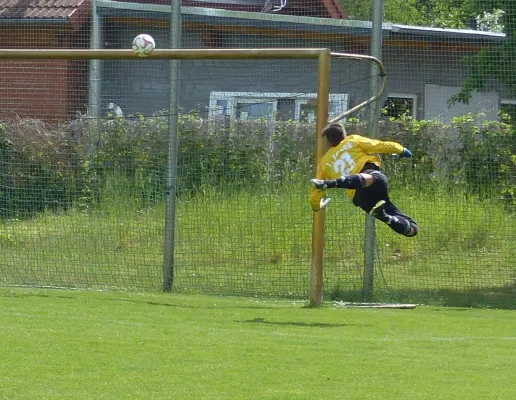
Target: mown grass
x=258 y=243
x=62 y=344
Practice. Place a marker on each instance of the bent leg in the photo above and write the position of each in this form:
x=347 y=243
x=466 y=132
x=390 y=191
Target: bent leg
x=375 y=200
x=371 y=195
x=394 y=211
x=399 y=222
x=375 y=191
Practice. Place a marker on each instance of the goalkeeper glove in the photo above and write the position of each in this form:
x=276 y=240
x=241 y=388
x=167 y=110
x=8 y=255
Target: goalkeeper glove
x=324 y=202
x=406 y=153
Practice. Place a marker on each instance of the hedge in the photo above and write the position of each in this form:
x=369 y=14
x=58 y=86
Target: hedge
x=48 y=167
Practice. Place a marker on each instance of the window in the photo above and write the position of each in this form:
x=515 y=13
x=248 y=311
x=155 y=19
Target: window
x=400 y=105
x=508 y=110
x=255 y=108
x=272 y=106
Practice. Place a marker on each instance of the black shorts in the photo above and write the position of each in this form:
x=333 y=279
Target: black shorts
x=367 y=197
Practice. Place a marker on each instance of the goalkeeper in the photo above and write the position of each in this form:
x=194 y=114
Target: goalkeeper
x=351 y=163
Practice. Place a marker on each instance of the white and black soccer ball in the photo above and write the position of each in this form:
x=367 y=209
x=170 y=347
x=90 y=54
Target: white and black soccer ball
x=143 y=44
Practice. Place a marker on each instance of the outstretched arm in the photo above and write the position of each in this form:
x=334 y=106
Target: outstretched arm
x=377 y=146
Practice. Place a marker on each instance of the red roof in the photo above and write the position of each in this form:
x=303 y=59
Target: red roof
x=69 y=9
x=335 y=10
x=306 y=8
x=40 y=9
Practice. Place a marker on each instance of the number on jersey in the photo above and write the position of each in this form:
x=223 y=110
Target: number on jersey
x=344 y=164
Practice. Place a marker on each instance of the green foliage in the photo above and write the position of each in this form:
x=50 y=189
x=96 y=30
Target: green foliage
x=492 y=63
x=39 y=169
x=438 y=13
x=80 y=165
x=399 y=11
x=469 y=155
x=496 y=62
x=456 y=14
x=76 y=165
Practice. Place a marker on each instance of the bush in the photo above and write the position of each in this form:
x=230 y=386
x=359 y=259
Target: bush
x=470 y=155
x=57 y=167
x=39 y=169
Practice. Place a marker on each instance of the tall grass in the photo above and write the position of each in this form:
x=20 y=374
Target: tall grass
x=91 y=195
x=257 y=242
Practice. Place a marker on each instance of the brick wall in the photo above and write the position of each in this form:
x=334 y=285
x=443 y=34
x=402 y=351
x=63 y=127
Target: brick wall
x=51 y=90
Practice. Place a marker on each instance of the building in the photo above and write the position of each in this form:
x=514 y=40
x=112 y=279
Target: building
x=47 y=89
x=423 y=64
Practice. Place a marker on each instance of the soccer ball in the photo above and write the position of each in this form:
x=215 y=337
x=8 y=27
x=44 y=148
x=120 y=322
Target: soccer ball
x=143 y=44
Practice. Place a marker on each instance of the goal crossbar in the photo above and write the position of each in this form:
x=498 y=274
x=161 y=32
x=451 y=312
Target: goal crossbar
x=170 y=54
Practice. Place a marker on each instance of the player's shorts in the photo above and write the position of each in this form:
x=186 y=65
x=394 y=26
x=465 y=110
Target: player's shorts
x=366 y=198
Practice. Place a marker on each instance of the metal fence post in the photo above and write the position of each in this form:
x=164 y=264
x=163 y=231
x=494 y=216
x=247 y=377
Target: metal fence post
x=374 y=116
x=171 y=192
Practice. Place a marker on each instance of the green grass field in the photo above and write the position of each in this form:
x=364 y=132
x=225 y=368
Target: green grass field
x=62 y=344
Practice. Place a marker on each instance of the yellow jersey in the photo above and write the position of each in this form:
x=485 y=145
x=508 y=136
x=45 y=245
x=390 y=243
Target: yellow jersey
x=347 y=158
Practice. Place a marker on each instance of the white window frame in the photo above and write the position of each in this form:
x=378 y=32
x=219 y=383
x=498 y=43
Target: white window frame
x=508 y=101
x=505 y=101
x=234 y=98
x=400 y=95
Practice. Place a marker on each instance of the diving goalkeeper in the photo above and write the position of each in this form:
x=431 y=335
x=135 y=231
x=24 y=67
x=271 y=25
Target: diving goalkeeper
x=351 y=163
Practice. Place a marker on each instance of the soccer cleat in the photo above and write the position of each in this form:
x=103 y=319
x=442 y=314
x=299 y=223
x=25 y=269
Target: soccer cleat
x=378 y=211
x=319 y=184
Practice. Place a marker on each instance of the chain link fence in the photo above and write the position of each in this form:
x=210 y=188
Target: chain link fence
x=84 y=150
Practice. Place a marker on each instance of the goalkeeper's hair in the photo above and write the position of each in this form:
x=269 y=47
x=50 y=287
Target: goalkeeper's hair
x=335 y=133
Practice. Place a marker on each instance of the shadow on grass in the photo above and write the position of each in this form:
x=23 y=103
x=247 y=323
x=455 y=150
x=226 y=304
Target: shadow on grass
x=201 y=306
x=57 y=293
x=499 y=297
x=296 y=323
x=503 y=297
x=54 y=293
x=19 y=295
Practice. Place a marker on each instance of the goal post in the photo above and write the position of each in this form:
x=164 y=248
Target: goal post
x=317 y=103
x=316 y=297
x=316 y=292
x=374 y=96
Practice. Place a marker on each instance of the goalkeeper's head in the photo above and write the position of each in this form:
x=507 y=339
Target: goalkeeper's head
x=335 y=133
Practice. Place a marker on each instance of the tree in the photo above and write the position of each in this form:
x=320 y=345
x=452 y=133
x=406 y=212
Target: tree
x=458 y=14
x=496 y=62
x=399 y=11
x=439 y=13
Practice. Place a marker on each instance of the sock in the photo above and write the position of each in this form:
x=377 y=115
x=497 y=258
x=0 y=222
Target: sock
x=347 y=182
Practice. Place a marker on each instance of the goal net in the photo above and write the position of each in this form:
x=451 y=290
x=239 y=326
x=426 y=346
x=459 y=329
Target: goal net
x=84 y=172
